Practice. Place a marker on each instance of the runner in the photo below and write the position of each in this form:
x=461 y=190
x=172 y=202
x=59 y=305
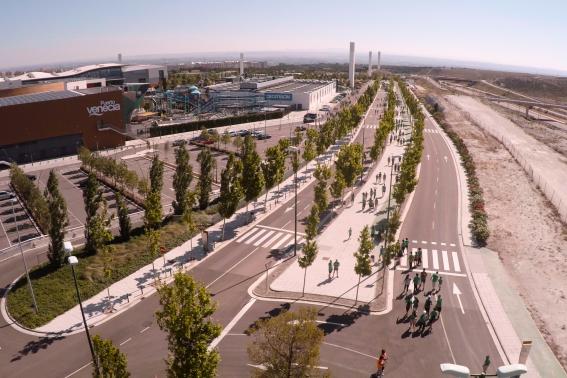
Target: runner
x=432 y=319
x=418 y=255
x=381 y=363
x=330 y=268
x=349 y=232
x=407 y=281
x=421 y=323
x=416 y=283
x=427 y=304
x=410 y=260
x=434 y=280
x=412 y=321
x=439 y=304
x=423 y=277
x=336 y=267
x=440 y=283
x=415 y=302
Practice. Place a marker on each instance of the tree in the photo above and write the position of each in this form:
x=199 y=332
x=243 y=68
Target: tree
x=312 y=223
x=349 y=162
x=287 y=345
x=230 y=190
x=362 y=266
x=123 y=217
x=338 y=186
x=153 y=214
x=98 y=230
x=309 y=254
x=154 y=238
x=111 y=362
x=225 y=138
x=92 y=196
x=322 y=174
x=156 y=174
x=273 y=168
x=187 y=216
x=181 y=179
x=58 y=220
x=186 y=309
x=205 y=158
x=252 y=176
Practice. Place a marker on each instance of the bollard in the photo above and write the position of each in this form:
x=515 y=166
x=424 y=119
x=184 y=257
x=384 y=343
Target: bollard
x=128 y=297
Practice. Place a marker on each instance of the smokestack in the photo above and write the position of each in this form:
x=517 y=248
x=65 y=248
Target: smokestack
x=241 y=64
x=351 y=64
x=369 y=63
x=378 y=60
x=119 y=57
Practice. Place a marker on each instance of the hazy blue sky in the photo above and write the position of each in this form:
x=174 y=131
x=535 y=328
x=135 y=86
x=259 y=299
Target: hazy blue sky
x=516 y=32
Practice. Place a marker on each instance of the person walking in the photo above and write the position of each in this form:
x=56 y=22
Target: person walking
x=383 y=189
x=486 y=364
x=427 y=305
x=412 y=321
x=440 y=283
x=363 y=202
x=439 y=304
x=407 y=280
x=388 y=156
x=415 y=302
x=434 y=280
x=418 y=256
x=376 y=202
x=422 y=322
x=416 y=283
x=423 y=277
x=432 y=319
x=410 y=260
x=330 y=268
x=349 y=232
x=409 y=299
x=336 y=267
x=381 y=363
x=377 y=178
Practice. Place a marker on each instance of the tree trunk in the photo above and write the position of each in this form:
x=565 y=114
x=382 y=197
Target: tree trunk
x=357 y=286
x=266 y=201
x=223 y=224
x=304 y=277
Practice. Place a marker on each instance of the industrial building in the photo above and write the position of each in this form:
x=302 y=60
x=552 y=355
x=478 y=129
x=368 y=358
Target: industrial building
x=113 y=73
x=273 y=91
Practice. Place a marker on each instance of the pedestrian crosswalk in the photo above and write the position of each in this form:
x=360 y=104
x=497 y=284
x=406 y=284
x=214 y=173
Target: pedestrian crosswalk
x=431 y=131
x=442 y=260
x=371 y=126
x=268 y=237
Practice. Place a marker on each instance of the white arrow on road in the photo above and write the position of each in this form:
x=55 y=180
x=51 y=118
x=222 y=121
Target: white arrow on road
x=445 y=157
x=288 y=209
x=427 y=156
x=458 y=293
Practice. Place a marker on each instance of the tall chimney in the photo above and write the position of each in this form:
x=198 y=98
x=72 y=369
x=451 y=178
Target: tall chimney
x=378 y=60
x=369 y=63
x=351 y=64
x=241 y=64
x=119 y=57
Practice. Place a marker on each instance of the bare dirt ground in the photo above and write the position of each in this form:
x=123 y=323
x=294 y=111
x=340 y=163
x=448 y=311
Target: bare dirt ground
x=526 y=231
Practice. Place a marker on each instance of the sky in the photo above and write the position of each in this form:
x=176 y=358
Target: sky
x=508 y=32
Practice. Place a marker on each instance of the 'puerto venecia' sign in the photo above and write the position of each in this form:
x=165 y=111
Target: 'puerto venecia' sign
x=104 y=107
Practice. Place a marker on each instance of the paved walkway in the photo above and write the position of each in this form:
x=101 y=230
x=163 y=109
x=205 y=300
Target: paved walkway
x=334 y=244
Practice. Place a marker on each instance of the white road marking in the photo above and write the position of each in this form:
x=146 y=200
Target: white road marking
x=452 y=245
x=430 y=271
x=443 y=243
x=424 y=261
x=349 y=349
x=458 y=293
x=255 y=236
x=433 y=243
x=433 y=225
x=288 y=209
x=445 y=157
x=423 y=242
x=246 y=235
x=232 y=323
x=456 y=263
x=445 y=260
x=281 y=241
x=435 y=259
x=125 y=341
x=447 y=338
x=78 y=370
x=266 y=235
x=144 y=330
x=278 y=229
x=434 y=204
x=276 y=236
x=414 y=241
x=231 y=268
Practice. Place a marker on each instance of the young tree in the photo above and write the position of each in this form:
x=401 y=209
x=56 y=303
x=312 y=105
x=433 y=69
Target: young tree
x=349 y=162
x=312 y=223
x=287 y=345
x=309 y=254
x=123 y=217
x=273 y=168
x=225 y=138
x=362 y=266
x=187 y=216
x=92 y=196
x=111 y=362
x=338 y=186
x=186 y=309
x=156 y=174
x=252 y=176
x=230 y=190
x=153 y=214
x=205 y=158
x=58 y=220
x=181 y=179
x=98 y=230
x=322 y=174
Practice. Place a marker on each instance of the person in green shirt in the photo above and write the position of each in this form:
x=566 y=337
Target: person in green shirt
x=330 y=268
x=434 y=280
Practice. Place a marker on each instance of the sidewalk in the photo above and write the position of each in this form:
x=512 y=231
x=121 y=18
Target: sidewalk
x=334 y=244
x=140 y=284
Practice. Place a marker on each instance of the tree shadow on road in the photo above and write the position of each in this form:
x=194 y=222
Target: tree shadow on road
x=35 y=346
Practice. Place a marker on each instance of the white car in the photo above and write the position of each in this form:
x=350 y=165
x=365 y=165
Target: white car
x=4 y=195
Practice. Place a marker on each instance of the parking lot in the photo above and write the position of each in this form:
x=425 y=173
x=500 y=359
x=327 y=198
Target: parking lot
x=13 y=219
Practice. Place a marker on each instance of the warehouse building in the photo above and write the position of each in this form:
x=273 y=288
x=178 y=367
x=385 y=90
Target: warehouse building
x=271 y=91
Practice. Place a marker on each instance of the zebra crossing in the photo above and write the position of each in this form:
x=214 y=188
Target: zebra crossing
x=371 y=126
x=431 y=131
x=444 y=261
x=269 y=237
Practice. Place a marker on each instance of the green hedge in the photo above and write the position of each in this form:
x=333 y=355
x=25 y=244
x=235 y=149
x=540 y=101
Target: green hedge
x=213 y=123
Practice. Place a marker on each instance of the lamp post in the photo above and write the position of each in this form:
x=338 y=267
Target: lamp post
x=296 y=151
x=74 y=261
x=506 y=371
x=389 y=199
x=23 y=257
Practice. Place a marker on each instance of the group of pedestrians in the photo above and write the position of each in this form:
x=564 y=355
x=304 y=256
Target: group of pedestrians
x=371 y=197
x=334 y=268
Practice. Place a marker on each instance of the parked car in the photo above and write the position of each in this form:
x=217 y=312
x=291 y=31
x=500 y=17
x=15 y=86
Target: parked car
x=309 y=118
x=243 y=133
x=31 y=177
x=4 y=165
x=263 y=136
x=179 y=142
x=233 y=133
x=300 y=128
x=4 y=195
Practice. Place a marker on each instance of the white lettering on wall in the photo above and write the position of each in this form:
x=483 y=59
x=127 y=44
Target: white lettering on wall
x=104 y=107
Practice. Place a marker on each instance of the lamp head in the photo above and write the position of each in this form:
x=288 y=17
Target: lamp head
x=73 y=260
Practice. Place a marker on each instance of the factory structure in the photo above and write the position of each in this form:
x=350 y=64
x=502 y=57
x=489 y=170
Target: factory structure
x=47 y=115
x=352 y=64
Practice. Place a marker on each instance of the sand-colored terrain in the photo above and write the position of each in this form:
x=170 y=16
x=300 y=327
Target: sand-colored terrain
x=526 y=231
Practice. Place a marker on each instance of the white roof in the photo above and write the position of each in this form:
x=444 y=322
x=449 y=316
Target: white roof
x=72 y=72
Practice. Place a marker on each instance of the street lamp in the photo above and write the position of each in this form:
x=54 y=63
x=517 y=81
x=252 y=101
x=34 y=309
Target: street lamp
x=296 y=150
x=506 y=371
x=14 y=200
x=74 y=261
